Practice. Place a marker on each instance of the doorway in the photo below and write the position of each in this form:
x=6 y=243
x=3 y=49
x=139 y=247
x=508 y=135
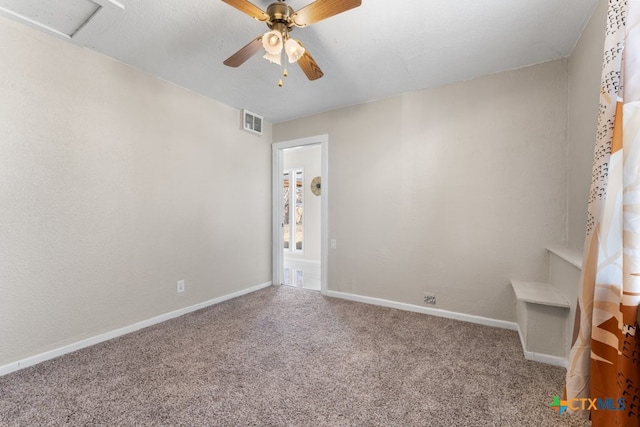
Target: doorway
x=300 y=188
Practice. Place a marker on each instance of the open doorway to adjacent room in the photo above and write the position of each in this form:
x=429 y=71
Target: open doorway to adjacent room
x=300 y=189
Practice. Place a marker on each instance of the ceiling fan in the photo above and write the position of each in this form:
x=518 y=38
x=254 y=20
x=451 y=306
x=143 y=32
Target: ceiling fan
x=281 y=20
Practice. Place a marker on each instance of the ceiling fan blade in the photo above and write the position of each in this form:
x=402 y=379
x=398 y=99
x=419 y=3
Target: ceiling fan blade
x=322 y=9
x=249 y=8
x=309 y=66
x=245 y=53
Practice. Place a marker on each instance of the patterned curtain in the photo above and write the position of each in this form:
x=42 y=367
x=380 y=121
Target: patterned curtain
x=604 y=362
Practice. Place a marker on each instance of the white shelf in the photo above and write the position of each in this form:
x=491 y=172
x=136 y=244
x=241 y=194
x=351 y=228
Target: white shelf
x=538 y=293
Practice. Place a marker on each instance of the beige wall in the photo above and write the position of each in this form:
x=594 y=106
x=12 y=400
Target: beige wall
x=113 y=186
x=585 y=69
x=453 y=190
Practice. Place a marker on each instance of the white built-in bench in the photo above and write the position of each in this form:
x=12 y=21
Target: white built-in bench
x=538 y=293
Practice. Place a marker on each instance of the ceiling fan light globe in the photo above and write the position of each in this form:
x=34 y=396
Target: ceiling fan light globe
x=274 y=58
x=294 y=50
x=272 y=42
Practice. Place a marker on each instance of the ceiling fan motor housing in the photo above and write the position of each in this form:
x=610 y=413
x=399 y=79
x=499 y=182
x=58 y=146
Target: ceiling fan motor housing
x=280 y=13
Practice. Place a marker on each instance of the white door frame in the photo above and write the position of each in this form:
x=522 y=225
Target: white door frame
x=277 y=166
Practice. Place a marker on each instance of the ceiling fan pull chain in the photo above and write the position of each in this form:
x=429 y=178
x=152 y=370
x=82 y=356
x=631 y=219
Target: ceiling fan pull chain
x=284 y=73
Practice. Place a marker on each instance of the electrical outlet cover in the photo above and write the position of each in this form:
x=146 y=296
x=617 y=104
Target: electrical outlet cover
x=429 y=298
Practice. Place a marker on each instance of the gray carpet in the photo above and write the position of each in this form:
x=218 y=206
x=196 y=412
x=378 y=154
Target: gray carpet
x=290 y=357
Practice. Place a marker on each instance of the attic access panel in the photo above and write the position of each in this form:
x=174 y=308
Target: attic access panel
x=60 y=18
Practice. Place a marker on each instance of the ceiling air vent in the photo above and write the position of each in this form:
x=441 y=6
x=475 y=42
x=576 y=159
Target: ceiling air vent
x=251 y=122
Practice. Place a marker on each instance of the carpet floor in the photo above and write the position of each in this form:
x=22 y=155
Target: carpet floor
x=290 y=357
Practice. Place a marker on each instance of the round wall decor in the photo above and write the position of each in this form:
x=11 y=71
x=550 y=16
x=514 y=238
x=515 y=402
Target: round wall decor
x=315 y=185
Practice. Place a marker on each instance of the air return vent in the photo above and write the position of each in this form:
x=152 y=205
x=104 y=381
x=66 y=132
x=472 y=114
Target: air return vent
x=251 y=122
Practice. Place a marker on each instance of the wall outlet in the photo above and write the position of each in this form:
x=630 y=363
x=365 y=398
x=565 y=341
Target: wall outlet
x=180 y=286
x=429 y=298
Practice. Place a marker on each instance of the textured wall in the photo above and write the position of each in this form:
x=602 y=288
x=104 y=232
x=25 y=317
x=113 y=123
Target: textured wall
x=453 y=190
x=585 y=69
x=113 y=186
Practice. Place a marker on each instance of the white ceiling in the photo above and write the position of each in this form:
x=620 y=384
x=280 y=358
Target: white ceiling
x=377 y=50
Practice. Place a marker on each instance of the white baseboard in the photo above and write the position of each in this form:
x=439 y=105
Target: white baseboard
x=426 y=310
x=541 y=357
x=529 y=355
x=48 y=355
